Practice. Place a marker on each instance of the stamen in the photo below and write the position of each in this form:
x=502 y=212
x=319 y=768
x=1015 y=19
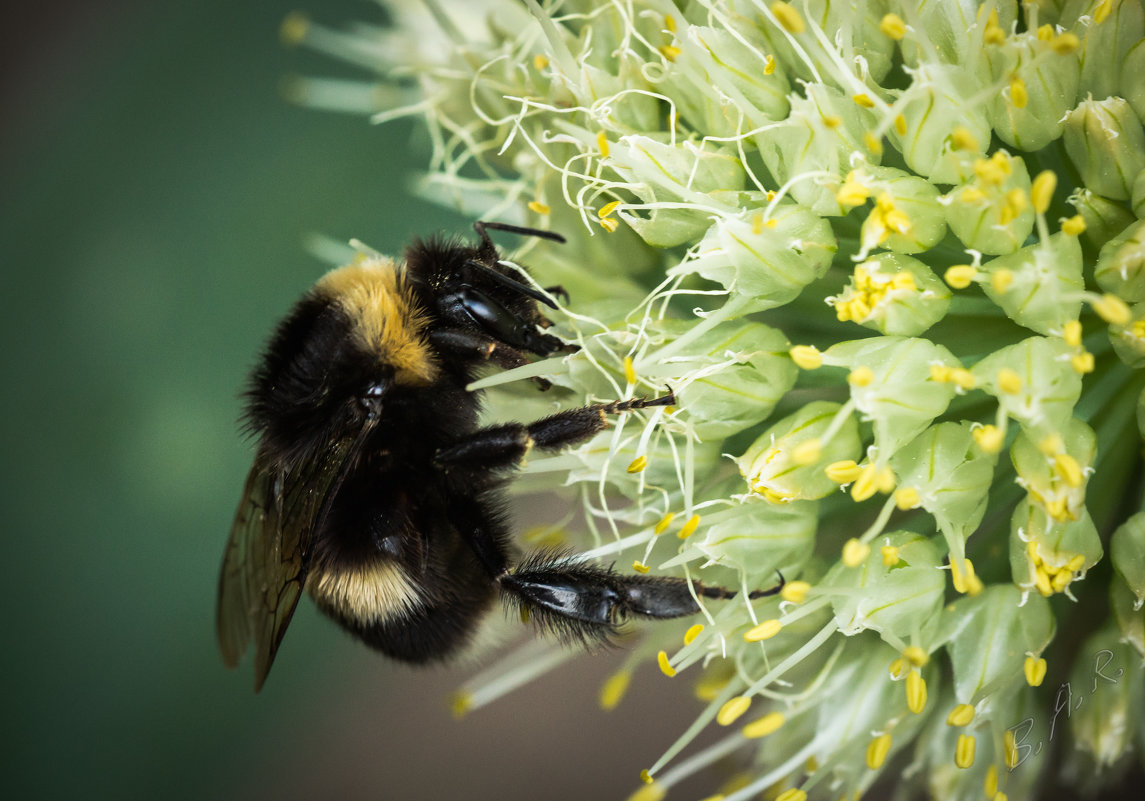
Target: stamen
x=877 y=751
x=960 y=276
x=640 y=567
x=964 y=751
x=893 y=26
x=602 y=144
x=537 y=207
x=1112 y=309
x=690 y=527
x=665 y=666
x=915 y=655
x=629 y=370
x=638 y=464
x=540 y=61
x=768 y=724
x=665 y=521
x=960 y=716
x=806 y=357
x=614 y=689
x=890 y=555
x=795 y=591
x=843 y=472
x=732 y=710
x=855 y=552
x=1008 y=381
x=915 y=692
x=1073 y=226
x=764 y=631
x=1071 y=333
x=788 y=17
x=1042 y=191
x=1035 y=670
x=692 y=633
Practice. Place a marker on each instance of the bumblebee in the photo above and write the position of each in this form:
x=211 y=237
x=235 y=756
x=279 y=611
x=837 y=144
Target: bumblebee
x=376 y=490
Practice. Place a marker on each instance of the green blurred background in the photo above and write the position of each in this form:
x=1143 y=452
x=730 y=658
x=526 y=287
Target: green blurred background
x=155 y=195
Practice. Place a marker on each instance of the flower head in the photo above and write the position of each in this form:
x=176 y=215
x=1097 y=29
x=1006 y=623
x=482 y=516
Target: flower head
x=906 y=352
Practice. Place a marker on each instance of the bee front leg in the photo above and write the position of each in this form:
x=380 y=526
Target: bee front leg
x=505 y=446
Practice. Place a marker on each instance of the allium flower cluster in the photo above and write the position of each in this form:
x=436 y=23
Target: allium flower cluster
x=890 y=256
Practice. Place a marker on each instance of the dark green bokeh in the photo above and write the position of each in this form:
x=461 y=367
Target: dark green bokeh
x=155 y=195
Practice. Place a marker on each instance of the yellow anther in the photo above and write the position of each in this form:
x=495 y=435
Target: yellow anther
x=609 y=224
x=629 y=370
x=646 y=776
x=863 y=101
x=1011 y=747
x=964 y=751
x=1112 y=309
x=692 y=633
x=885 y=480
x=460 y=703
x=866 y=485
x=764 y=631
x=898 y=668
x=892 y=25
x=964 y=578
x=1015 y=203
x=1071 y=333
x=890 y=555
x=1103 y=10
x=1058 y=509
x=792 y=794
x=855 y=552
x=537 y=207
x=607 y=209
x=651 y=791
x=1019 y=97
x=940 y=373
x=1001 y=279
x=877 y=751
x=852 y=193
x=640 y=567
x=665 y=521
x=670 y=23
x=1042 y=190
x=989 y=438
x=775 y=496
x=638 y=464
x=903 y=280
x=795 y=591
x=294 y=28
x=971 y=195
x=990 y=784
x=843 y=472
x=915 y=692
x=689 y=527
x=665 y=666
x=1067 y=467
x=1042 y=582
x=670 y=52
x=960 y=275
x=807 y=452
x=731 y=711
x=769 y=65
x=768 y=724
x=1051 y=444
x=1076 y=563
x=900 y=125
x=961 y=138
x=806 y=357
x=788 y=17
x=960 y=716
x=602 y=144
x=540 y=61
x=1061 y=581
x=861 y=376
x=1008 y=381
x=915 y=655
x=1035 y=670
x=1045 y=34
x=613 y=689
x=872 y=143
x=993 y=33
x=831 y=120
x=1073 y=226
x=1065 y=43
x=962 y=378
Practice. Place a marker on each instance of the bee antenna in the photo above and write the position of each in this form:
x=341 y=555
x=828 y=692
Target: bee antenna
x=481 y=227
x=512 y=283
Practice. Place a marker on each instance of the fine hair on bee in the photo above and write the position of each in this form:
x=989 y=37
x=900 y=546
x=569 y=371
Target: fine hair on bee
x=375 y=488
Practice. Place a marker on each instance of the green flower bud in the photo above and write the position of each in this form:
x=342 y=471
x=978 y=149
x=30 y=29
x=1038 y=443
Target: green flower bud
x=1041 y=87
x=1033 y=382
x=732 y=376
x=898 y=600
x=1105 y=44
x=1104 y=140
x=721 y=82
x=769 y=259
x=1127 y=553
x=1108 y=674
x=1134 y=90
x=907 y=216
x=1047 y=554
x=634 y=113
x=899 y=399
x=893 y=294
x=1137 y=195
x=992 y=212
x=941 y=99
x=818 y=138
x=1129 y=340
x=1055 y=469
x=1121 y=264
x=753 y=537
x=1128 y=614
x=950 y=474
x=1104 y=219
x=990 y=635
x=779 y=469
x=954 y=29
x=1040 y=286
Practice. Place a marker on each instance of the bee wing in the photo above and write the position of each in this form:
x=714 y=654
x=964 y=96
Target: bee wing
x=268 y=553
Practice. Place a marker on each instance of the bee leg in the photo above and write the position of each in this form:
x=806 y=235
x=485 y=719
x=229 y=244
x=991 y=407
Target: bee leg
x=474 y=346
x=588 y=602
x=506 y=445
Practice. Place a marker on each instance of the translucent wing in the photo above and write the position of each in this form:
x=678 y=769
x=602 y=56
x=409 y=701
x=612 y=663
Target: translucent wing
x=268 y=554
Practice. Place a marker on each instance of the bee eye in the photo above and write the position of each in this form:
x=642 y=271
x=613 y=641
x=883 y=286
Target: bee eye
x=371 y=399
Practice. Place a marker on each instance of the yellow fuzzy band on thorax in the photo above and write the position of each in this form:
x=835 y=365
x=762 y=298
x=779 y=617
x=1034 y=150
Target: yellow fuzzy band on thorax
x=385 y=318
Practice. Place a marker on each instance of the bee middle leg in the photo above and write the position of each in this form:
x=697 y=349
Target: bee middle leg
x=506 y=445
